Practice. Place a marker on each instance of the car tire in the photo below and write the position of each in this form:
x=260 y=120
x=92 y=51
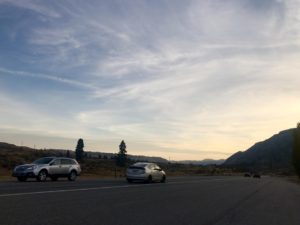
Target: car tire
x=22 y=179
x=163 y=179
x=149 y=180
x=42 y=176
x=72 y=176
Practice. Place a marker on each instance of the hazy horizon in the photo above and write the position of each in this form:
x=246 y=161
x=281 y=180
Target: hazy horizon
x=185 y=80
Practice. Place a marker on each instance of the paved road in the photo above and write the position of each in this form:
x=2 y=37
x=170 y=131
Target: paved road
x=180 y=201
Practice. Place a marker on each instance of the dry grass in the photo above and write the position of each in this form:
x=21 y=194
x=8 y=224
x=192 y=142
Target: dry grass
x=11 y=155
x=5 y=175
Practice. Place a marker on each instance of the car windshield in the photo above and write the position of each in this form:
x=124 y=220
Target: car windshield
x=43 y=160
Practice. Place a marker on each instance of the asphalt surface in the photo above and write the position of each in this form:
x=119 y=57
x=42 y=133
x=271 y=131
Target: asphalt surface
x=180 y=201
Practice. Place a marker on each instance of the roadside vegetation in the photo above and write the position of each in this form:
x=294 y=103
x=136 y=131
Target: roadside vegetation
x=99 y=164
x=93 y=165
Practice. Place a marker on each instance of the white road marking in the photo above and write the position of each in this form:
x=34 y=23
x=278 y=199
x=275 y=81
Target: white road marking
x=106 y=187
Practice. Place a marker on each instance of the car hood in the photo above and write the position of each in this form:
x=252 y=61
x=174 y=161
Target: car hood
x=25 y=166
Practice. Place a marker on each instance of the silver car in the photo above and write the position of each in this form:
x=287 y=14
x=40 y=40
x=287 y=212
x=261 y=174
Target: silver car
x=143 y=171
x=53 y=167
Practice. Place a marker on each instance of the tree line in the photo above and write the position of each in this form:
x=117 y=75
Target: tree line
x=121 y=158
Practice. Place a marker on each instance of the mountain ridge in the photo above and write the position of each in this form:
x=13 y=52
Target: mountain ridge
x=274 y=153
x=88 y=154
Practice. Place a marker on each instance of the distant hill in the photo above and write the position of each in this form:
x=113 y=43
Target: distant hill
x=274 y=153
x=140 y=158
x=204 y=162
x=11 y=155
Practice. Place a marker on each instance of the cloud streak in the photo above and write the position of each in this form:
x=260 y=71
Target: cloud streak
x=171 y=77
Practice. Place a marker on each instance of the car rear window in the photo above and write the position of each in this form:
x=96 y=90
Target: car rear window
x=136 y=168
x=141 y=164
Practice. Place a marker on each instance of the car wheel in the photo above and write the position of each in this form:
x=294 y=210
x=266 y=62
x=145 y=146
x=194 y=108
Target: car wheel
x=54 y=178
x=72 y=176
x=149 y=180
x=42 y=176
x=22 y=179
x=163 y=179
x=129 y=180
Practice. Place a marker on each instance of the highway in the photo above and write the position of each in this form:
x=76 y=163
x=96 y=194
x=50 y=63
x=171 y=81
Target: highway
x=179 y=201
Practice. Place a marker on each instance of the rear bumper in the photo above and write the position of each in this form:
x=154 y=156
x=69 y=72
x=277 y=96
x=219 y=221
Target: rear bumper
x=137 y=177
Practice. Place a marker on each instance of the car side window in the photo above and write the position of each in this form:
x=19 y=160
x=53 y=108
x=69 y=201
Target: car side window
x=66 y=162
x=56 y=162
x=72 y=162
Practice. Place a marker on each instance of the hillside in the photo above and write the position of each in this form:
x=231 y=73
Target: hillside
x=12 y=155
x=105 y=155
x=203 y=162
x=98 y=163
x=272 y=154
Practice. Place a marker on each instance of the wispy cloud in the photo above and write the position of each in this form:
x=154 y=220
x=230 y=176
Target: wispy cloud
x=172 y=77
x=4 y=71
x=34 y=6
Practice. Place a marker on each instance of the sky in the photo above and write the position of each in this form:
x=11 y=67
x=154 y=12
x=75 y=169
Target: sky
x=180 y=79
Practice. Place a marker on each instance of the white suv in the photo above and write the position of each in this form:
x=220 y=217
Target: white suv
x=53 y=167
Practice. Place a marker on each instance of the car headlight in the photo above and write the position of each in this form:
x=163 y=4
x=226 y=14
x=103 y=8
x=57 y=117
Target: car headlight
x=31 y=167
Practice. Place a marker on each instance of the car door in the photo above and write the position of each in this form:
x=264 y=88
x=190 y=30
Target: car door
x=55 y=167
x=66 y=166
